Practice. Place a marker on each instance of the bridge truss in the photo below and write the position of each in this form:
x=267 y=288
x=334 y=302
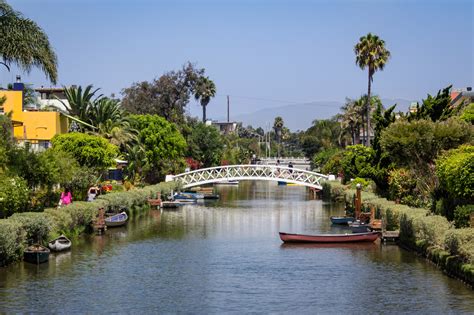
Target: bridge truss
x=249 y=172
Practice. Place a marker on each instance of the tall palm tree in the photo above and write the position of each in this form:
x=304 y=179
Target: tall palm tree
x=205 y=90
x=23 y=42
x=371 y=53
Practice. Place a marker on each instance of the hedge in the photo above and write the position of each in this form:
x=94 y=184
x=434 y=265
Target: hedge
x=430 y=235
x=23 y=229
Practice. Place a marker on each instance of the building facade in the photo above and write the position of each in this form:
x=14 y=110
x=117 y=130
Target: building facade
x=32 y=127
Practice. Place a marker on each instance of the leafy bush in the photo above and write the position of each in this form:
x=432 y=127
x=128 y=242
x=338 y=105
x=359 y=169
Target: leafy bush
x=461 y=242
x=321 y=158
x=462 y=215
x=468 y=114
x=454 y=170
x=357 y=161
x=333 y=166
x=12 y=239
x=36 y=225
x=365 y=184
x=14 y=195
x=432 y=229
x=401 y=183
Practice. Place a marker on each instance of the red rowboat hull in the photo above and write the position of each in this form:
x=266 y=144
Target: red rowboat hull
x=329 y=238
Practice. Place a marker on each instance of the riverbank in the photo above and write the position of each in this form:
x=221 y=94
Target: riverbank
x=21 y=229
x=431 y=236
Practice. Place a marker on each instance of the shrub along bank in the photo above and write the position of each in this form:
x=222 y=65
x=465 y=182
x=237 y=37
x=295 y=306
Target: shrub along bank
x=432 y=236
x=22 y=229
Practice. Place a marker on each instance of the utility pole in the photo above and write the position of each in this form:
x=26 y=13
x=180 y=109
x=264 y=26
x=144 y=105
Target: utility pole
x=228 y=109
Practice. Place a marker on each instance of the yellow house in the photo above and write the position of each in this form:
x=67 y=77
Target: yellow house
x=30 y=126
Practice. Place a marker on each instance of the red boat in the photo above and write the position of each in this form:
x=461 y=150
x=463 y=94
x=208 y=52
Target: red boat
x=329 y=238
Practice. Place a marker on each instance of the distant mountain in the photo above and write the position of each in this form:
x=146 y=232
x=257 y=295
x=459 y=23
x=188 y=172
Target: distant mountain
x=296 y=117
x=301 y=116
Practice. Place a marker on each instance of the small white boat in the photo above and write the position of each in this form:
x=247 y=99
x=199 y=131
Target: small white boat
x=60 y=244
x=116 y=220
x=227 y=182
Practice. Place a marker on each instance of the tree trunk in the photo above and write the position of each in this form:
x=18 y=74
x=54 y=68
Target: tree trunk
x=204 y=113
x=368 y=112
x=353 y=136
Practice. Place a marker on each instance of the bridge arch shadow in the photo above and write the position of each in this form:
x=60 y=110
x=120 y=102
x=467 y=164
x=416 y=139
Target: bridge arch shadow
x=249 y=172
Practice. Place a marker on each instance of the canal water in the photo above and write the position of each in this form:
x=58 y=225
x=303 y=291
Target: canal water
x=226 y=257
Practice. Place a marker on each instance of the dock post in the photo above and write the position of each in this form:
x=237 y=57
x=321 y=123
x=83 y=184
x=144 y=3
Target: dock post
x=358 y=201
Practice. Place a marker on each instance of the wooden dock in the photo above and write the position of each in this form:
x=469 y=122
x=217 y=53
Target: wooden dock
x=99 y=223
x=154 y=203
x=390 y=236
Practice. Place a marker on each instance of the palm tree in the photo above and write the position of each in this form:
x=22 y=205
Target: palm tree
x=112 y=122
x=371 y=53
x=351 y=120
x=23 y=42
x=205 y=90
x=278 y=124
x=79 y=102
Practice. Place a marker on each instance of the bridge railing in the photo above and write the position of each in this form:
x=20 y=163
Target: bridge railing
x=250 y=171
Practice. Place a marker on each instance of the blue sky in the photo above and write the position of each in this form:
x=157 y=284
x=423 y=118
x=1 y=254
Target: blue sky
x=262 y=53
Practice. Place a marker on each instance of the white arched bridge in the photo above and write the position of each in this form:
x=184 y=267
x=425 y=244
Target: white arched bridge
x=249 y=172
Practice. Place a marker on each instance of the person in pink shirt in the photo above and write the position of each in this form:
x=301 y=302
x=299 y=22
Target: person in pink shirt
x=66 y=197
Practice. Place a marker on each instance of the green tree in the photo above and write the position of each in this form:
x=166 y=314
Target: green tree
x=23 y=42
x=204 y=91
x=205 y=145
x=357 y=161
x=163 y=144
x=90 y=151
x=351 y=119
x=372 y=54
x=322 y=135
x=435 y=108
x=417 y=143
x=166 y=96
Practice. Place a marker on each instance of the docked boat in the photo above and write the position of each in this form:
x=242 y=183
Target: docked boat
x=281 y=183
x=211 y=196
x=60 y=244
x=342 y=220
x=116 y=220
x=359 y=227
x=329 y=238
x=171 y=204
x=187 y=201
x=188 y=195
x=228 y=182
x=36 y=254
